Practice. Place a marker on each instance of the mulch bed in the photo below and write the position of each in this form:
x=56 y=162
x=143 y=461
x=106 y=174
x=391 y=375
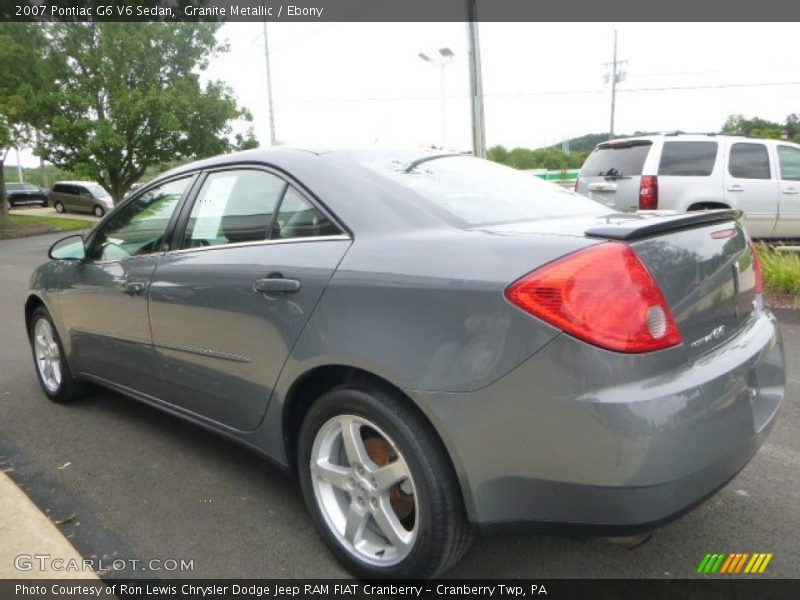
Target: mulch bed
x=782 y=301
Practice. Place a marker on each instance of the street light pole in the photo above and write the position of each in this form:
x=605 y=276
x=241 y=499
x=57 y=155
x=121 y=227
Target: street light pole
x=445 y=58
x=616 y=75
x=272 y=137
x=476 y=82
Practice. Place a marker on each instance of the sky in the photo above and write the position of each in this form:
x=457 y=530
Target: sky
x=363 y=84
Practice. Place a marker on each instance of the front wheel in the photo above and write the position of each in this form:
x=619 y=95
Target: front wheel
x=48 y=357
x=98 y=211
x=379 y=486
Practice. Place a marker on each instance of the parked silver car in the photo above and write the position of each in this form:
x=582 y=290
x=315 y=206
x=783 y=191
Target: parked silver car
x=80 y=196
x=435 y=344
x=686 y=172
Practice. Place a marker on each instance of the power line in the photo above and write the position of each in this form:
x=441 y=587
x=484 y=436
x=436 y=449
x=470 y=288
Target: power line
x=541 y=93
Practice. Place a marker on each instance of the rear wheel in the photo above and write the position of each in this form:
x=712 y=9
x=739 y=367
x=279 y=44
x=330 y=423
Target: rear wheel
x=48 y=356
x=60 y=208
x=98 y=210
x=379 y=487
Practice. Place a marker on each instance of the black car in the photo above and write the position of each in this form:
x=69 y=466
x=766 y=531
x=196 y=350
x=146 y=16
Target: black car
x=25 y=193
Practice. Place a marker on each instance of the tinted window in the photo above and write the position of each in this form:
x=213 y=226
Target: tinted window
x=233 y=207
x=297 y=217
x=619 y=160
x=749 y=161
x=138 y=227
x=789 y=158
x=62 y=188
x=688 y=159
x=478 y=192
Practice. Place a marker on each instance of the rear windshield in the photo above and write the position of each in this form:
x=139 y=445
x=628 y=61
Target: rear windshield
x=688 y=159
x=478 y=192
x=618 y=160
x=15 y=186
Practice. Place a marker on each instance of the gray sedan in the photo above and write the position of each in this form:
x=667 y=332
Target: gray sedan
x=436 y=345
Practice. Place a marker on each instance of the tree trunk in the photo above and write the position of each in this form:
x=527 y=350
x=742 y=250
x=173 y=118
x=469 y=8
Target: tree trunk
x=5 y=218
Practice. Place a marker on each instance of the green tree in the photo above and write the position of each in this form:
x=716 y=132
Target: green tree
x=498 y=154
x=20 y=67
x=119 y=97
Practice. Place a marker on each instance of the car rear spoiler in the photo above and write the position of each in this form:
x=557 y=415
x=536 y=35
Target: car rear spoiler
x=632 y=226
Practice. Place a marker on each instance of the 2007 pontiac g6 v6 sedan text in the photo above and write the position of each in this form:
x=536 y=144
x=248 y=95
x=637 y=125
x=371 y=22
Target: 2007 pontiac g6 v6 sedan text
x=436 y=344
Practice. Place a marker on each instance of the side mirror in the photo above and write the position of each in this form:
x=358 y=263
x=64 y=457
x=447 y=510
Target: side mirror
x=68 y=248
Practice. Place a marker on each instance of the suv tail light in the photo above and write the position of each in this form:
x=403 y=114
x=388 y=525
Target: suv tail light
x=648 y=193
x=757 y=269
x=603 y=295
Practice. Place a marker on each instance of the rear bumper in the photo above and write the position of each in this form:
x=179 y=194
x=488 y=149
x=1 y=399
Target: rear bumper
x=588 y=437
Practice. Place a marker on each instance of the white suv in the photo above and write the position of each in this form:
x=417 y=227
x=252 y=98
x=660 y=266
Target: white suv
x=684 y=172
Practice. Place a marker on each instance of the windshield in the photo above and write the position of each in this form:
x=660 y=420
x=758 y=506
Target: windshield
x=97 y=191
x=479 y=192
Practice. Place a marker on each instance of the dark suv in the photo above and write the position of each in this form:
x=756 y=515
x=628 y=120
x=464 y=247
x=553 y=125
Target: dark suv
x=25 y=193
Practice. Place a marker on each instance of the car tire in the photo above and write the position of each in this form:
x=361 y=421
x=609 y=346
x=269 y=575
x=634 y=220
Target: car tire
x=98 y=210
x=60 y=208
x=57 y=382
x=424 y=504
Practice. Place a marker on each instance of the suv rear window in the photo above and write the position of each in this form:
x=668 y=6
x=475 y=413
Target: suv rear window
x=624 y=159
x=688 y=159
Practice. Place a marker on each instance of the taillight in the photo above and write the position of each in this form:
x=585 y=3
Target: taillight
x=603 y=295
x=648 y=193
x=757 y=269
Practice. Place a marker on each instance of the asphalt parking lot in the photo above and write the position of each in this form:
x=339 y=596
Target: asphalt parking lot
x=132 y=482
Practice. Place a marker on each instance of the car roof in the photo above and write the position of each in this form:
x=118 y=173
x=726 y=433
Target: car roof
x=76 y=183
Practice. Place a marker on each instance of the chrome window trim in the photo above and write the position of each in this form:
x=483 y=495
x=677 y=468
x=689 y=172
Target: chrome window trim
x=321 y=238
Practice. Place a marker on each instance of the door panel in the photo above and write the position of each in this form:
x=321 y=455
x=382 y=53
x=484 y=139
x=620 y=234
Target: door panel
x=108 y=322
x=750 y=186
x=221 y=341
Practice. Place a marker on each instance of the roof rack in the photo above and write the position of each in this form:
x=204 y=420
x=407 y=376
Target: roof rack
x=709 y=133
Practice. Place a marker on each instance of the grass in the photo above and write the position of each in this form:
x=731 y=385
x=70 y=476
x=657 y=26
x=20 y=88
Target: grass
x=56 y=223
x=781 y=271
x=24 y=226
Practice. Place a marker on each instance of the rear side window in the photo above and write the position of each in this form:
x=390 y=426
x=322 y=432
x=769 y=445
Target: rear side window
x=618 y=160
x=688 y=159
x=749 y=161
x=789 y=158
x=62 y=188
x=298 y=218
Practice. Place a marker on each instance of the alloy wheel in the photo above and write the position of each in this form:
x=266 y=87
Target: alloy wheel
x=48 y=356
x=365 y=490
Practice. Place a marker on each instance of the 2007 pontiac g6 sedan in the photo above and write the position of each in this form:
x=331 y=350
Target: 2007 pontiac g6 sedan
x=436 y=344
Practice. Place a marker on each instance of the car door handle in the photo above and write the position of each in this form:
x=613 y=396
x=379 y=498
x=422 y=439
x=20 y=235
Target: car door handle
x=134 y=288
x=276 y=283
x=735 y=188
x=791 y=190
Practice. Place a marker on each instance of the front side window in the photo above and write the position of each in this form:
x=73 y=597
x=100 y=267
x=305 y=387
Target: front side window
x=233 y=207
x=138 y=228
x=789 y=159
x=749 y=161
x=688 y=159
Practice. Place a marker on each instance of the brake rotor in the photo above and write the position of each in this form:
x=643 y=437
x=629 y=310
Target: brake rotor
x=381 y=453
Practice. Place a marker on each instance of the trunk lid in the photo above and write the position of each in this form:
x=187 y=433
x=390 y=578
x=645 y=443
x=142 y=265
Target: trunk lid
x=702 y=261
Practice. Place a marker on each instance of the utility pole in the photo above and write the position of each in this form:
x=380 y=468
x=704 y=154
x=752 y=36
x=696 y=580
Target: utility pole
x=444 y=59
x=615 y=76
x=19 y=167
x=272 y=138
x=476 y=81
